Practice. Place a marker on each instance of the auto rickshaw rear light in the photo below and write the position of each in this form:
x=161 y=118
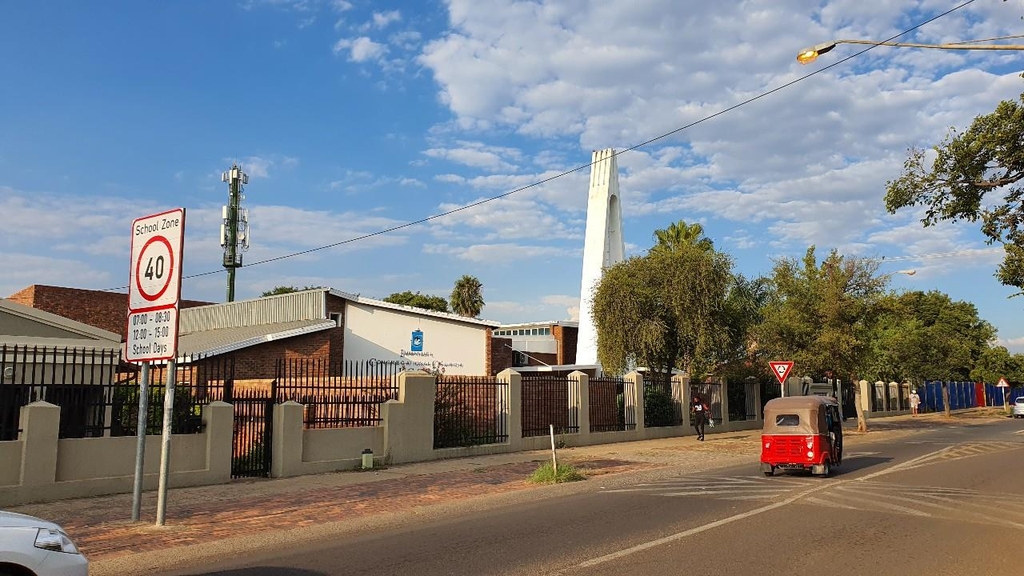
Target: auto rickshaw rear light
x=810 y=442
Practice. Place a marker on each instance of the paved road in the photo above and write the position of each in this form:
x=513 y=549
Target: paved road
x=945 y=502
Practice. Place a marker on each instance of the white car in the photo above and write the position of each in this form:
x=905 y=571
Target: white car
x=33 y=547
x=1018 y=408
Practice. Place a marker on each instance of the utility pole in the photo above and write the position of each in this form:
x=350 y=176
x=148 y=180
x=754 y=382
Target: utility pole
x=234 y=230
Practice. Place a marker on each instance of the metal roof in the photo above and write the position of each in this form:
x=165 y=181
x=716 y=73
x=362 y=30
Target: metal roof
x=224 y=340
x=566 y=323
x=411 y=310
x=99 y=336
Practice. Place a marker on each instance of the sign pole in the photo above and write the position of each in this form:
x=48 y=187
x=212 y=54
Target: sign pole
x=154 y=296
x=165 y=447
x=140 y=447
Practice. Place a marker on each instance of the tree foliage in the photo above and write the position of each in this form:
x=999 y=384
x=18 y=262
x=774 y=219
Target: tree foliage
x=467 y=297
x=663 y=310
x=922 y=336
x=682 y=234
x=417 y=300
x=996 y=362
x=819 y=315
x=286 y=290
x=986 y=159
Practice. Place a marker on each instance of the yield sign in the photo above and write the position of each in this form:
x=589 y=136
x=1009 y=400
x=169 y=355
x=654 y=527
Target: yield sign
x=781 y=369
x=1003 y=383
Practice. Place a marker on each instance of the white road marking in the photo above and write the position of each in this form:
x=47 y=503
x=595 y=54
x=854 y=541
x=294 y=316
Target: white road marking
x=825 y=484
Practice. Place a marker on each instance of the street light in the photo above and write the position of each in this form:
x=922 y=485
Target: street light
x=808 y=55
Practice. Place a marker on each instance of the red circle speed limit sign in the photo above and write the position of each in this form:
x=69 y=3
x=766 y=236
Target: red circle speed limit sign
x=155 y=268
x=156 y=260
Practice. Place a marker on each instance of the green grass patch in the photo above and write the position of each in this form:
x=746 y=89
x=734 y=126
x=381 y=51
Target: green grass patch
x=545 y=474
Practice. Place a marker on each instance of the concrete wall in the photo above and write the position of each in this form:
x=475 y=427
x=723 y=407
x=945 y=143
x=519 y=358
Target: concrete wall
x=48 y=468
x=384 y=334
x=39 y=466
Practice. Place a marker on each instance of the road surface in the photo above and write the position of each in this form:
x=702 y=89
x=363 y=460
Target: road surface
x=949 y=501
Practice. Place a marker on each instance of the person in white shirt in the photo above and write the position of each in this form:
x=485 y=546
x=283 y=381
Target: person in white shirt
x=915 y=401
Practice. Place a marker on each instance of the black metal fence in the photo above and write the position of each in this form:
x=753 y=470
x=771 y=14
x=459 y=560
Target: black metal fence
x=98 y=395
x=337 y=394
x=661 y=407
x=611 y=404
x=548 y=399
x=470 y=411
x=252 y=435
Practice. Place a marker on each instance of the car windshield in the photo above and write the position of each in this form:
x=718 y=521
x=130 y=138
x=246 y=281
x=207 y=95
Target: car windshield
x=1020 y=400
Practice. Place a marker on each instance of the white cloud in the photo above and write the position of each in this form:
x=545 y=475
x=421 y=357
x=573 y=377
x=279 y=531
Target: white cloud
x=361 y=49
x=384 y=19
x=477 y=155
x=341 y=5
x=503 y=253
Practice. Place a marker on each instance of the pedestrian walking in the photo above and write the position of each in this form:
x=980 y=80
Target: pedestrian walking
x=915 y=401
x=700 y=411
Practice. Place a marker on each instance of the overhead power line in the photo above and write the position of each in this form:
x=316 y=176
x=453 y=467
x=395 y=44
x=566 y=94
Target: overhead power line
x=588 y=164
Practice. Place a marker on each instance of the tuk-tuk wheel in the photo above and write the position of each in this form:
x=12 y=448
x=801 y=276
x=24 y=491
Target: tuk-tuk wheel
x=768 y=469
x=822 y=470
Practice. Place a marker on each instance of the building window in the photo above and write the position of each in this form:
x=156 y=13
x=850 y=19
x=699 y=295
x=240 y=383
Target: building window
x=533 y=332
x=336 y=316
x=547 y=331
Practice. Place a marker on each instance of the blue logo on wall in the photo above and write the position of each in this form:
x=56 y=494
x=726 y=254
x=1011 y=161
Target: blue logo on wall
x=417 y=341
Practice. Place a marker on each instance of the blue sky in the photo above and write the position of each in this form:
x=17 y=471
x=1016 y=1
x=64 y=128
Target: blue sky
x=351 y=117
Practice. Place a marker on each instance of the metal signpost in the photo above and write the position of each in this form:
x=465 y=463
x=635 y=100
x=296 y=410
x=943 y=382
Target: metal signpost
x=154 y=292
x=781 y=370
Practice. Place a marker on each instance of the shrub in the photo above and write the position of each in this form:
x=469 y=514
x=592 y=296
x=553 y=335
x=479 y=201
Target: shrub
x=545 y=474
x=659 y=410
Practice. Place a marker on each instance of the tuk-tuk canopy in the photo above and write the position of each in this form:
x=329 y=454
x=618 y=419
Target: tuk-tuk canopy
x=796 y=415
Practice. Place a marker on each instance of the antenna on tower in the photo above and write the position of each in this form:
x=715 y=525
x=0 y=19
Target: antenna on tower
x=234 y=228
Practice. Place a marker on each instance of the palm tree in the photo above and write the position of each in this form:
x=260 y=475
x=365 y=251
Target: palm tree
x=680 y=234
x=467 y=297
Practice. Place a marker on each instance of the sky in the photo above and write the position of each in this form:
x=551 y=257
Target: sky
x=353 y=117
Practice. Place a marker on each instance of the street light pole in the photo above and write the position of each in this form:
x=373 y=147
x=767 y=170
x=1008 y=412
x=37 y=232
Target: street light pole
x=808 y=55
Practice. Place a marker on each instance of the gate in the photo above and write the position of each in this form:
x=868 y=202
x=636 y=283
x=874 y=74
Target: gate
x=253 y=431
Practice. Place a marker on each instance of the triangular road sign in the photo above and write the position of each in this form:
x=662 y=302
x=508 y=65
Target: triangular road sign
x=1003 y=383
x=781 y=369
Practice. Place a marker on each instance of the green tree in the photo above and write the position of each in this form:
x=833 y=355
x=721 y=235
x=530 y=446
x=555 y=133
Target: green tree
x=921 y=336
x=682 y=234
x=417 y=300
x=987 y=159
x=996 y=362
x=663 y=310
x=467 y=296
x=286 y=290
x=819 y=315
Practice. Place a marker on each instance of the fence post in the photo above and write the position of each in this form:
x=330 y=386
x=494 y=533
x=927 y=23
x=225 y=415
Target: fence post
x=40 y=425
x=634 y=402
x=515 y=407
x=218 y=425
x=286 y=455
x=758 y=416
x=680 y=397
x=724 y=390
x=409 y=421
x=581 y=380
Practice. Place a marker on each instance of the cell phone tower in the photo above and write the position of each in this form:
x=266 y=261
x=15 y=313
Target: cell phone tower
x=234 y=229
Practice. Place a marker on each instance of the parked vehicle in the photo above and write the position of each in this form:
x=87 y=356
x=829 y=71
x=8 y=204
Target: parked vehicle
x=802 y=433
x=31 y=546
x=1018 y=408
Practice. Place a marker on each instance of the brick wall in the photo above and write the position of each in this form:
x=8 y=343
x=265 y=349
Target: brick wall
x=336 y=305
x=104 y=310
x=260 y=361
x=565 y=336
x=499 y=354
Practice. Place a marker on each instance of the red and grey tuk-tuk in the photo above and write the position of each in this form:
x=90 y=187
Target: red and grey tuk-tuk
x=802 y=433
